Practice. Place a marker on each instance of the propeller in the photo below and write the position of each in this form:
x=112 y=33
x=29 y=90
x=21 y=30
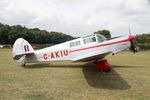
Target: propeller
x=131 y=38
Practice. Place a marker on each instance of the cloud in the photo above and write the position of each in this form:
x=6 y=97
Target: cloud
x=78 y=18
x=10 y=14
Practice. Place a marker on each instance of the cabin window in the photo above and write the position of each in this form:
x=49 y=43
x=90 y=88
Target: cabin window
x=100 y=38
x=89 y=40
x=76 y=43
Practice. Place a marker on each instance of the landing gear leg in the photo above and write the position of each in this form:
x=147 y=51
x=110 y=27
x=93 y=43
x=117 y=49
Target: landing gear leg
x=103 y=66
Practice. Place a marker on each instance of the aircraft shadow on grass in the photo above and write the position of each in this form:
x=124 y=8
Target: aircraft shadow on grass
x=111 y=80
x=44 y=65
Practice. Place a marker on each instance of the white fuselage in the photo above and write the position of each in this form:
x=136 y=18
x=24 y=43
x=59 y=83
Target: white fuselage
x=82 y=49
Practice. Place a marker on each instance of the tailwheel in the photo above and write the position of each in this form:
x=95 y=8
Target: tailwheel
x=103 y=66
x=23 y=64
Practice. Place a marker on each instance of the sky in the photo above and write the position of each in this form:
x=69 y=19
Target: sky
x=79 y=17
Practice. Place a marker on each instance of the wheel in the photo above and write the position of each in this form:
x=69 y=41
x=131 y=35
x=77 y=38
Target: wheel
x=23 y=65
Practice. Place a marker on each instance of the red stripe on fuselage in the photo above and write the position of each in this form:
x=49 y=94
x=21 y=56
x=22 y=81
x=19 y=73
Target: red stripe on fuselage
x=98 y=46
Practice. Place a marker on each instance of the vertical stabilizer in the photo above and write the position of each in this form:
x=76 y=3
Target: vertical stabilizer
x=21 y=47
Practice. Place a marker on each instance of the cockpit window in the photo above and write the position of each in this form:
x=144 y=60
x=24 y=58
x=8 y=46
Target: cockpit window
x=100 y=38
x=89 y=40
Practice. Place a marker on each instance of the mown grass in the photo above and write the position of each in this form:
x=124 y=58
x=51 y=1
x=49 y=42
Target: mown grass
x=129 y=79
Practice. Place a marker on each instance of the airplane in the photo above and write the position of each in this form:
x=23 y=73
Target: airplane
x=1 y=46
x=5 y=46
x=89 y=48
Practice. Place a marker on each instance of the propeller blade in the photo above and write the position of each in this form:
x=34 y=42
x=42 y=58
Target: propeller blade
x=132 y=47
x=129 y=30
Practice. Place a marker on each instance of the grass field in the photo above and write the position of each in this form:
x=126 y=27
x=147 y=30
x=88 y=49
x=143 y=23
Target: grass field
x=129 y=79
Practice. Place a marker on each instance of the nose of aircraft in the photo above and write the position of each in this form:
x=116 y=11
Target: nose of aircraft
x=131 y=38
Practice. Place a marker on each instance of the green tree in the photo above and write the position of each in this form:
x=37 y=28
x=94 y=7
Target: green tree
x=4 y=29
x=104 y=32
x=9 y=34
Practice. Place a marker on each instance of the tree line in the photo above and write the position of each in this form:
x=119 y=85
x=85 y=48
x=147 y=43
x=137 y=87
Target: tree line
x=143 y=41
x=8 y=35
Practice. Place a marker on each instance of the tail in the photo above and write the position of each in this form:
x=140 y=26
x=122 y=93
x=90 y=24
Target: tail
x=21 y=48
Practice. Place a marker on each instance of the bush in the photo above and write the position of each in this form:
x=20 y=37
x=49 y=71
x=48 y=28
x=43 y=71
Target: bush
x=144 y=46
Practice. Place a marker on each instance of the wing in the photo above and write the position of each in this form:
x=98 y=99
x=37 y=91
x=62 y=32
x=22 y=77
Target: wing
x=91 y=56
